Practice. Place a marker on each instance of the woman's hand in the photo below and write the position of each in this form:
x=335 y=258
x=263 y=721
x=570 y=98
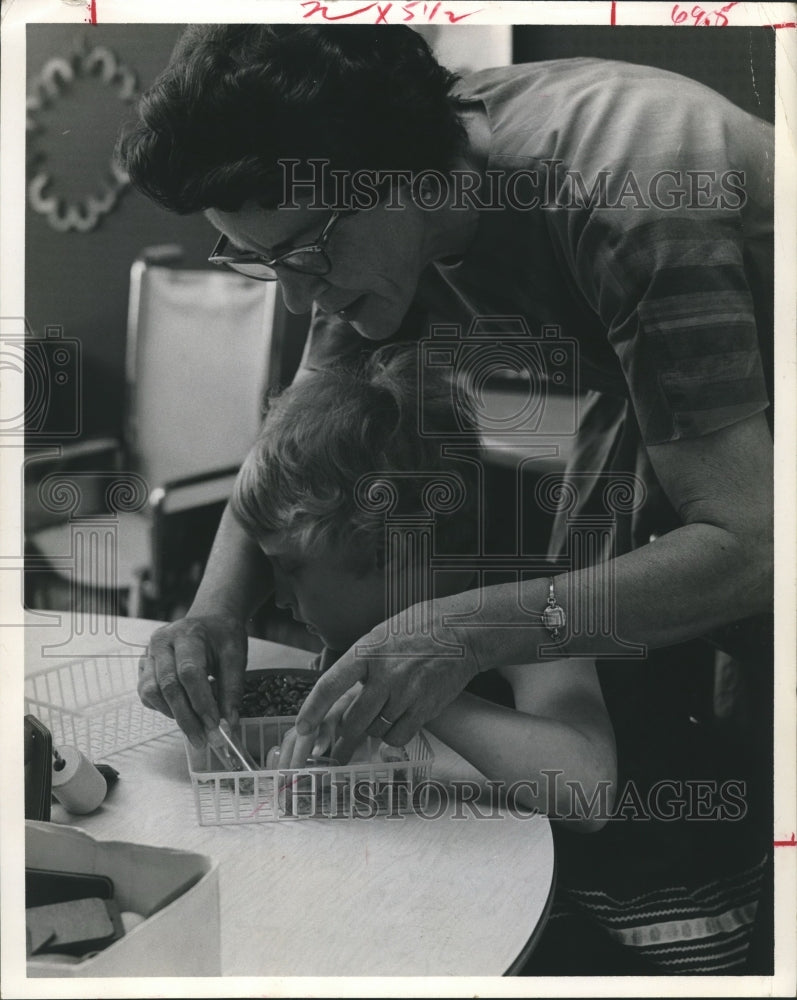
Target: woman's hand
x=182 y=656
x=295 y=749
x=403 y=683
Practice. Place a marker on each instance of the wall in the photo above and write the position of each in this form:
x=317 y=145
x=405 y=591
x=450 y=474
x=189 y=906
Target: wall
x=80 y=280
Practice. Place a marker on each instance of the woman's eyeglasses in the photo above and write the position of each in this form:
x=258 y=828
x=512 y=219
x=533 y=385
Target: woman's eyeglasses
x=310 y=259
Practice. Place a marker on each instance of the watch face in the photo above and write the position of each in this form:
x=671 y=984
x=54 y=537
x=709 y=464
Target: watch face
x=553 y=617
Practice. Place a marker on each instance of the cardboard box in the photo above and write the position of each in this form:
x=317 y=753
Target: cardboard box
x=177 y=892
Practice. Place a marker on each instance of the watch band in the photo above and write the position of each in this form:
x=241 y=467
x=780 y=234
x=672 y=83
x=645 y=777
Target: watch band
x=553 y=615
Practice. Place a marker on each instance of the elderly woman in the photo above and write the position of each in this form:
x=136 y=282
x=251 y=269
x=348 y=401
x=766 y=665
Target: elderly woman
x=626 y=208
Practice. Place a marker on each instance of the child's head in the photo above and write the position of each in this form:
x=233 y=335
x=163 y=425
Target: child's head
x=295 y=494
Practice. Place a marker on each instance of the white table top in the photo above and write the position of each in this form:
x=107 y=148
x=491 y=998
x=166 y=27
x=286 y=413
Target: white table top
x=380 y=897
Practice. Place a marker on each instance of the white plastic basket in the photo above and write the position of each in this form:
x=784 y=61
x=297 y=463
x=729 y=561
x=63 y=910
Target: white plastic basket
x=365 y=788
x=93 y=705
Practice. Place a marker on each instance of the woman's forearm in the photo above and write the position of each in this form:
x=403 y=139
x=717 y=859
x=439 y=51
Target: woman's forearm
x=715 y=569
x=677 y=588
x=541 y=763
x=237 y=577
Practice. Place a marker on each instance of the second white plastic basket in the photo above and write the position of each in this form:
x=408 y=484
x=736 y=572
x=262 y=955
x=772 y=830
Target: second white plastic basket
x=93 y=705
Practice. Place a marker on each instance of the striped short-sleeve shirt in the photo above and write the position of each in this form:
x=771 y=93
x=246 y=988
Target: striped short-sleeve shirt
x=631 y=208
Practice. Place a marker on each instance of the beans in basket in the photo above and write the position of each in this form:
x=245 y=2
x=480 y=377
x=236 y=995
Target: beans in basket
x=275 y=693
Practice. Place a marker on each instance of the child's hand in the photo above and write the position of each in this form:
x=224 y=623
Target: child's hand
x=296 y=749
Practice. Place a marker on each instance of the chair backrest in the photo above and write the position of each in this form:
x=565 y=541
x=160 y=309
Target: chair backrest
x=199 y=348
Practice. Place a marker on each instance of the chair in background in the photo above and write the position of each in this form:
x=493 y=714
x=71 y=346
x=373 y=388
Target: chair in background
x=134 y=520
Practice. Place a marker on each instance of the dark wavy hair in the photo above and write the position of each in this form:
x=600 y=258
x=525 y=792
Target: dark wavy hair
x=236 y=99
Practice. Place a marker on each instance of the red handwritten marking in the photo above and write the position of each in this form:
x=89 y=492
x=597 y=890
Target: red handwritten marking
x=702 y=18
x=92 y=11
x=382 y=10
x=453 y=18
x=783 y=24
x=326 y=16
x=280 y=789
x=792 y=842
x=613 y=15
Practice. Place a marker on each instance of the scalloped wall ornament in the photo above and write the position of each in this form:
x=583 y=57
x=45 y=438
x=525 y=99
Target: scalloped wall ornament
x=55 y=79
